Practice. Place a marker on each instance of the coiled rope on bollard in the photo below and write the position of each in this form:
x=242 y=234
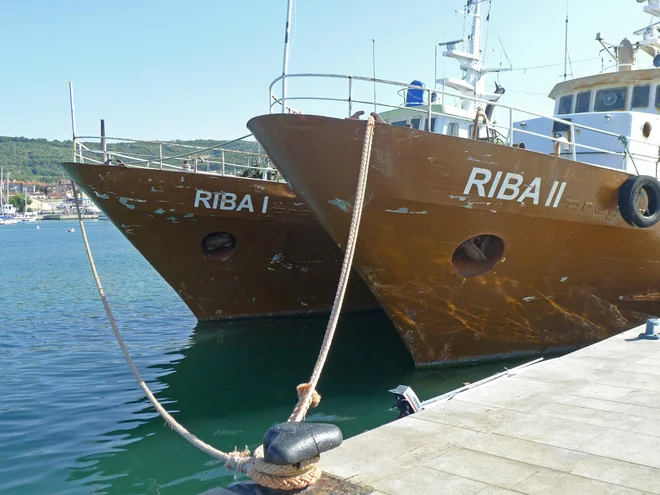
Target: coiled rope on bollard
x=276 y=476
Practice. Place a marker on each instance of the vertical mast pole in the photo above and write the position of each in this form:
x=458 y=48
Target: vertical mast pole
x=104 y=150
x=566 y=45
x=473 y=73
x=373 y=61
x=285 y=63
x=73 y=121
x=435 y=70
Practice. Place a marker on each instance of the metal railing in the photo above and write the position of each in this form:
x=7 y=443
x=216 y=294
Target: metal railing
x=425 y=109
x=218 y=159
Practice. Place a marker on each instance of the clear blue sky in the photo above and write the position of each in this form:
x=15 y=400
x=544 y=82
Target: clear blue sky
x=201 y=68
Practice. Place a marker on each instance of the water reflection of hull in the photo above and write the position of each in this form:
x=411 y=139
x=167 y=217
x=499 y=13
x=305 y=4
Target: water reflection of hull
x=229 y=390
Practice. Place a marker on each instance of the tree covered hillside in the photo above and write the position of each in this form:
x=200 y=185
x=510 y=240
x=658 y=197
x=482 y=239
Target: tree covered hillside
x=34 y=159
x=39 y=159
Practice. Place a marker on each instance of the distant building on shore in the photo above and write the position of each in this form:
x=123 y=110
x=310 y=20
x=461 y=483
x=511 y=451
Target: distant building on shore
x=21 y=186
x=8 y=209
x=42 y=190
x=62 y=186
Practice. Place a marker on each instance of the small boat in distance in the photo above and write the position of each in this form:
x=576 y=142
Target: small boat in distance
x=486 y=240
x=7 y=220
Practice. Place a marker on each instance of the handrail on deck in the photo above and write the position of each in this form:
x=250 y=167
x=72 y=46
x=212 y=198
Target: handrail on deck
x=427 y=108
x=224 y=161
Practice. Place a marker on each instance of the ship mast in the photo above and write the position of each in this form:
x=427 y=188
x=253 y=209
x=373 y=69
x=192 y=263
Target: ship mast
x=473 y=82
x=474 y=73
x=285 y=62
x=625 y=53
x=650 y=42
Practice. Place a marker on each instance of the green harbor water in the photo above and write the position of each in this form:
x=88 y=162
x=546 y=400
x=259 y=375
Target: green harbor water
x=72 y=418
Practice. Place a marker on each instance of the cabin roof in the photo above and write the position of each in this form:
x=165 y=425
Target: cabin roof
x=622 y=77
x=421 y=111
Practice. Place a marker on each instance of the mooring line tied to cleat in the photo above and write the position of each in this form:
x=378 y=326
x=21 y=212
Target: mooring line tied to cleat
x=287 y=459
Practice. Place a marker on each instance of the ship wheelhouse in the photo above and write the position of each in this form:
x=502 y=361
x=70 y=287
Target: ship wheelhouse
x=451 y=120
x=625 y=103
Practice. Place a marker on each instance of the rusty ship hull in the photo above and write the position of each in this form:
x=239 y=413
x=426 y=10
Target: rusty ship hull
x=563 y=269
x=280 y=260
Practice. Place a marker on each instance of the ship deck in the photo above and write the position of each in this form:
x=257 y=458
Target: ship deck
x=582 y=423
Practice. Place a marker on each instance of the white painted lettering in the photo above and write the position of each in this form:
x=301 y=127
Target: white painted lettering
x=202 y=199
x=548 y=201
x=533 y=191
x=228 y=201
x=216 y=198
x=496 y=182
x=509 y=186
x=559 y=194
x=264 y=208
x=511 y=183
x=246 y=202
x=479 y=183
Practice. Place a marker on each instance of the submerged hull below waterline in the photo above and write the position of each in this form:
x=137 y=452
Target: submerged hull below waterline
x=280 y=261
x=561 y=268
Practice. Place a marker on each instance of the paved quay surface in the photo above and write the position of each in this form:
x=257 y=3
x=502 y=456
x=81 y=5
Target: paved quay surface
x=586 y=423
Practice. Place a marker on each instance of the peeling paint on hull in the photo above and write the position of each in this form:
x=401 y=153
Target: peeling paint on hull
x=570 y=275
x=247 y=284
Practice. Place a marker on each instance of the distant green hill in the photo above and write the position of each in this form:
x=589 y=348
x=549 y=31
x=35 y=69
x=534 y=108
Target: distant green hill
x=39 y=159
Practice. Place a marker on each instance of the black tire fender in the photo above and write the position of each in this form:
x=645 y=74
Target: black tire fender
x=629 y=196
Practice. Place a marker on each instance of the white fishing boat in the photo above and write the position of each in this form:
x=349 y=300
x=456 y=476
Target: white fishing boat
x=7 y=220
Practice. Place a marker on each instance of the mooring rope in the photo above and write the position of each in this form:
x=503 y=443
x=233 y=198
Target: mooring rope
x=305 y=401
x=171 y=422
x=283 y=477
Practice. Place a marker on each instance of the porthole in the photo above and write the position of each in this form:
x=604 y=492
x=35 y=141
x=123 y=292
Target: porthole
x=477 y=255
x=646 y=130
x=219 y=245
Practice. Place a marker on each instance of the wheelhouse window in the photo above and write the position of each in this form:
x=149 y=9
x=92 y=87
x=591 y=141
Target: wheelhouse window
x=583 y=102
x=610 y=99
x=400 y=123
x=641 y=96
x=426 y=124
x=416 y=122
x=452 y=128
x=565 y=105
x=657 y=97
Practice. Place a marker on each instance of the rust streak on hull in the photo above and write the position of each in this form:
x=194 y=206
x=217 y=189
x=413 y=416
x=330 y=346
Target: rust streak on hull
x=283 y=262
x=570 y=274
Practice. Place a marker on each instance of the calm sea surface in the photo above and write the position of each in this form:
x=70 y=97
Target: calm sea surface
x=72 y=418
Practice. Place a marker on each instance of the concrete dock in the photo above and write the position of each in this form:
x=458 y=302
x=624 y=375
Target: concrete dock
x=585 y=423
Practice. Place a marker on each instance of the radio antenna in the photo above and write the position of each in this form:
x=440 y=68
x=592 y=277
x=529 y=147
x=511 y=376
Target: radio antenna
x=566 y=45
x=373 y=61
